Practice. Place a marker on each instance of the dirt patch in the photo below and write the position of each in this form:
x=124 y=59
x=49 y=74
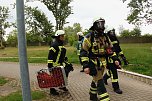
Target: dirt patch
x=15 y=85
x=8 y=88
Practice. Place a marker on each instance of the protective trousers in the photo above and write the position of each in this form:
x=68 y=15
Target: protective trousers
x=98 y=88
x=112 y=73
x=97 y=85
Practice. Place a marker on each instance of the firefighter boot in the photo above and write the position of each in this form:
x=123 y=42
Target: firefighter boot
x=53 y=91
x=64 y=89
x=93 y=92
x=93 y=97
x=102 y=92
x=116 y=87
x=105 y=78
x=82 y=70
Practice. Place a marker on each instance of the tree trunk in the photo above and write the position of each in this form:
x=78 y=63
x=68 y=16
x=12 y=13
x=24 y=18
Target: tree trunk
x=40 y=44
x=1 y=40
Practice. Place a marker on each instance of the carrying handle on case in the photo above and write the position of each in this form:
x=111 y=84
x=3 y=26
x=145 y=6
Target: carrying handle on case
x=42 y=70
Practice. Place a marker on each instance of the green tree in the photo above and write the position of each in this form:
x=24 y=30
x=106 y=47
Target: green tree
x=77 y=27
x=135 y=32
x=33 y=39
x=4 y=14
x=147 y=35
x=125 y=33
x=60 y=9
x=71 y=33
x=38 y=24
x=140 y=11
x=12 y=38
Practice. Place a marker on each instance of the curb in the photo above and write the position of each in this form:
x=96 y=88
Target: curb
x=139 y=77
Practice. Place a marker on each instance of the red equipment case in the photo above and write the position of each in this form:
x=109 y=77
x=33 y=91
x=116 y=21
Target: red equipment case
x=56 y=77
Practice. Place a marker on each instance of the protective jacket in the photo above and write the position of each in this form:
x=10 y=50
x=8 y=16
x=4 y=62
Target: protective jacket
x=79 y=45
x=115 y=43
x=113 y=38
x=96 y=52
x=117 y=48
x=56 y=54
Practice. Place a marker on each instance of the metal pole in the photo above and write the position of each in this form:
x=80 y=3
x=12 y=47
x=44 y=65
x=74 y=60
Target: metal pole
x=1 y=36
x=26 y=93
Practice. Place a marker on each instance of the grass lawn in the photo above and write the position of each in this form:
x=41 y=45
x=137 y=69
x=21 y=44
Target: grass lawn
x=139 y=55
x=17 y=96
x=35 y=54
x=3 y=81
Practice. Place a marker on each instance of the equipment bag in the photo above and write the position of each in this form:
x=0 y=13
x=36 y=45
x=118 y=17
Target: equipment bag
x=55 y=77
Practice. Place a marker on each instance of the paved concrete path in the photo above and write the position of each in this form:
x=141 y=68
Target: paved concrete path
x=79 y=84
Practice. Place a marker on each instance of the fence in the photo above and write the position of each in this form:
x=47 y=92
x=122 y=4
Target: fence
x=143 y=39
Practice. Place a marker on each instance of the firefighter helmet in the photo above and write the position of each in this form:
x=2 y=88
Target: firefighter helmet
x=80 y=33
x=111 y=32
x=98 y=19
x=59 y=32
x=111 y=29
x=98 y=26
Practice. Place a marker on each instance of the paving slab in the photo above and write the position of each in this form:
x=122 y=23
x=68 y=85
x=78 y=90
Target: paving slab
x=79 y=84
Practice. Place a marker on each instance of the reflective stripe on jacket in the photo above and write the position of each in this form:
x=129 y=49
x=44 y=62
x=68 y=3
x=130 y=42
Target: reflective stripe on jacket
x=56 y=54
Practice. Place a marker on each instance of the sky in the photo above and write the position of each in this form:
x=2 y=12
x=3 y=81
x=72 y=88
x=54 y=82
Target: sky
x=113 y=11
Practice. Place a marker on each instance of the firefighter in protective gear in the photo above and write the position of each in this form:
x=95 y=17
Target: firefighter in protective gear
x=79 y=46
x=116 y=47
x=112 y=68
x=94 y=54
x=56 y=56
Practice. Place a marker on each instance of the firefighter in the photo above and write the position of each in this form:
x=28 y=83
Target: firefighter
x=79 y=46
x=94 y=54
x=112 y=68
x=111 y=34
x=56 y=56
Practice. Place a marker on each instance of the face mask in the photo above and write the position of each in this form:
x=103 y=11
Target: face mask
x=112 y=33
x=99 y=26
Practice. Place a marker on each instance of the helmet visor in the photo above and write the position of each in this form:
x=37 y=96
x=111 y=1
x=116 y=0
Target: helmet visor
x=99 y=24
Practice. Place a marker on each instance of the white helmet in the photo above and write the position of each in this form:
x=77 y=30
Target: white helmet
x=80 y=33
x=59 y=32
x=98 y=19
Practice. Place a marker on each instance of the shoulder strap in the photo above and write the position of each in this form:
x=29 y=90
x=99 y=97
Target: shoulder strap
x=92 y=39
x=107 y=39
